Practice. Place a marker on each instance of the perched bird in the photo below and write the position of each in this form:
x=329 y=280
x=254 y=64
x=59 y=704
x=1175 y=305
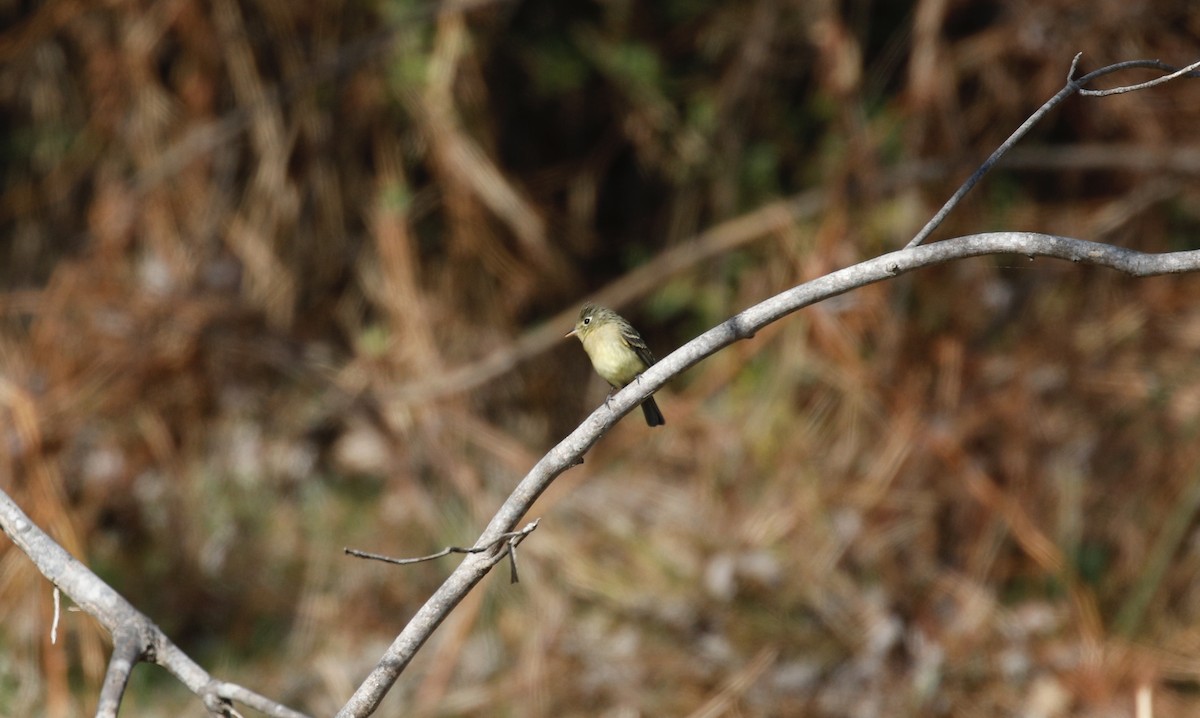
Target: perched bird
x=617 y=351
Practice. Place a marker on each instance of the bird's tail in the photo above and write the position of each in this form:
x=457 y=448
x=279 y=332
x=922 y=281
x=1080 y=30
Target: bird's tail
x=653 y=416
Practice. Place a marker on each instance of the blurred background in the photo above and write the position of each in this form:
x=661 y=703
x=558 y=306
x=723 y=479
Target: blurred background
x=279 y=278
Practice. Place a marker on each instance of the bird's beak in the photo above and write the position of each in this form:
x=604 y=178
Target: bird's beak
x=569 y=334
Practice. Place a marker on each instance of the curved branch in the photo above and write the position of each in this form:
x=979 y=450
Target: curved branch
x=741 y=326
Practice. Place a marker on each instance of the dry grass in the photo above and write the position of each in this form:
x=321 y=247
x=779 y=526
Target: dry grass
x=243 y=237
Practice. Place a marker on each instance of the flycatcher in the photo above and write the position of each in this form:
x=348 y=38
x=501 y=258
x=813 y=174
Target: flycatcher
x=617 y=351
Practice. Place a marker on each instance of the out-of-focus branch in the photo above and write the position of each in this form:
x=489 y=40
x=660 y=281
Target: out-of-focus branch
x=1178 y=158
x=135 y=637
x=205 y=138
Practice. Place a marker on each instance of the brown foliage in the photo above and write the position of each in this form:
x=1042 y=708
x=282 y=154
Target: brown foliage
x=235 y=233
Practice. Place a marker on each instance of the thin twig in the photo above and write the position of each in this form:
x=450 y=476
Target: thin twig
x=1188 y=71
x=1073 y=86
x=512 y=537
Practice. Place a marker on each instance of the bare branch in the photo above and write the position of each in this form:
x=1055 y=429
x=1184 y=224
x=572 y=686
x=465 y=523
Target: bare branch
x=511 y=539
x=1188 y=71
x=1073 y=86
x=126 y=653
x=741 y=326
x=745 y=325
x=231 y=692
x=135 y=636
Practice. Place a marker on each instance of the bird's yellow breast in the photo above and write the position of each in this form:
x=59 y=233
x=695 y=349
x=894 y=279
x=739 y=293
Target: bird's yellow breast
x=612 y=358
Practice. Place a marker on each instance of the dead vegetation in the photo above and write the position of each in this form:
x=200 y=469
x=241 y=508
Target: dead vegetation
x=239 y=236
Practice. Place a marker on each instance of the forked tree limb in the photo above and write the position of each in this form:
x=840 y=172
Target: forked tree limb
x=1074 y=85
x=135 y=637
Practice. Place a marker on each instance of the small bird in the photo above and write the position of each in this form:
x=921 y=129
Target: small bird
x=618 y=352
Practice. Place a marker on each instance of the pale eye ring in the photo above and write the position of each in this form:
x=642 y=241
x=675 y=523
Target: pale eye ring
x=587 y=321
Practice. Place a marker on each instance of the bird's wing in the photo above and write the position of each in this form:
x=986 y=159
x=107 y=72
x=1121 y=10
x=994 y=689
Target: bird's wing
x=634 y=341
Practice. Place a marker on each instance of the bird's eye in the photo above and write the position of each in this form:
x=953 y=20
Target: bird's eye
x=587 y=321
